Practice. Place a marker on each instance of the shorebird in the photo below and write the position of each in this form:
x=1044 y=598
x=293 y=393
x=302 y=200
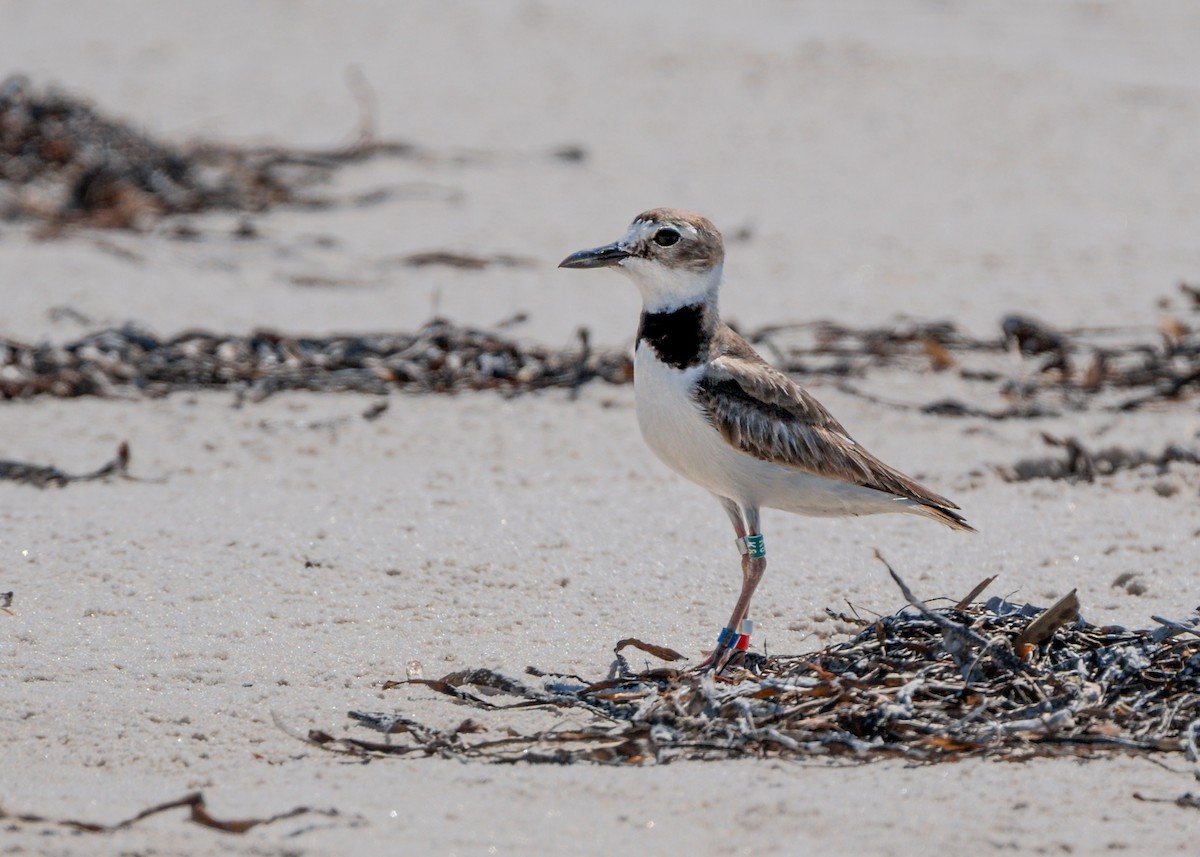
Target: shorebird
x=718 y=414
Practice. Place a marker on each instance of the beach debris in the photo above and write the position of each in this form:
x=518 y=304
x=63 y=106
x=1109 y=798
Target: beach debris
x=6 y=600
x=197 y=813
x=1062 y=612
x=375 y=411
x=1187 y=800
x=329 y=424
x=1084 y=465
x=1128 y=580
x=65 y=163
x=440 y=357
x=661 y=652
x=315 y=281
x=928 y=683
x=572 y=153
x=45 y=476
x=465 y=261
x=939 y=358
x=1033 y=338
x=1171 y=628
x=444 y=357
x=1192 y=293
x=68 y=313
x=1117 y=361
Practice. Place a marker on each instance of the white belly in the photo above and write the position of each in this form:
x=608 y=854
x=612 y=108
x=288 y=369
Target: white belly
x=680 y=435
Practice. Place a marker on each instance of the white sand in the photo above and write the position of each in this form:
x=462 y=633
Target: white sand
x=940 y=160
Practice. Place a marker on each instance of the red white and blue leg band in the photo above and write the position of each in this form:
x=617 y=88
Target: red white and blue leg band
x=730 y=639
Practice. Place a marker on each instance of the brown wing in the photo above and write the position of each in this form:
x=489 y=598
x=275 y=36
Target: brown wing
x=762 y=412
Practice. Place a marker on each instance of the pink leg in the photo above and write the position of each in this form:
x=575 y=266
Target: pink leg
x=745 y=522
x=752 y=573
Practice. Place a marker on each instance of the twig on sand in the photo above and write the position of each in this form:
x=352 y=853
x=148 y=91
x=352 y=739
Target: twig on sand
x=43 y=476
x=198 y=814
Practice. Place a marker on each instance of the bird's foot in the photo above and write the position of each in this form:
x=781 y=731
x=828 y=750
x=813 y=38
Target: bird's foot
x=731 y=649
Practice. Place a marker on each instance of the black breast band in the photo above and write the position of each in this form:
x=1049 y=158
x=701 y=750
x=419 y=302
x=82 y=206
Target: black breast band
x=679 y=338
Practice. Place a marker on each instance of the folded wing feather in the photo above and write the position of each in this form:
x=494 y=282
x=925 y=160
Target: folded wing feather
x=762 y=412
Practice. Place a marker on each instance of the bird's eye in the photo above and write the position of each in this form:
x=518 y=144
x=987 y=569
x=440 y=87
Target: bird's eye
x=666 y=237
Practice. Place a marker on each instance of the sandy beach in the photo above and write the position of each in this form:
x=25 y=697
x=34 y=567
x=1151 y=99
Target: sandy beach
x=276 y=562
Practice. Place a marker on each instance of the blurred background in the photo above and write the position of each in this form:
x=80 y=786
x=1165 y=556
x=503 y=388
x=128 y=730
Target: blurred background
x=930 y=157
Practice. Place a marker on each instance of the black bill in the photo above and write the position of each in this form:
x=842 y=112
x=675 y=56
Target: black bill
x=601 y=257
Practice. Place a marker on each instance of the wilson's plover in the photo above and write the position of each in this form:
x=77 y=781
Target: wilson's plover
x=717 y=413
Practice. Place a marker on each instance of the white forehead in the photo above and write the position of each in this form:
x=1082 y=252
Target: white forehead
x=643 y=230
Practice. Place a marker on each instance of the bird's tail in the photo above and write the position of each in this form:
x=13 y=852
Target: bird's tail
x=948 y=515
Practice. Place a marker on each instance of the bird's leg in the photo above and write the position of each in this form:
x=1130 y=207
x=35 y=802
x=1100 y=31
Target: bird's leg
x=735 y=637
x=754 y=565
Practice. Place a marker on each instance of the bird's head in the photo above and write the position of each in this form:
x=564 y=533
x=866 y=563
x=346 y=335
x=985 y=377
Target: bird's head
x=674 y=257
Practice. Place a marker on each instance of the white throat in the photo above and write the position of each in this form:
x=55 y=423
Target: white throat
x=665 y=289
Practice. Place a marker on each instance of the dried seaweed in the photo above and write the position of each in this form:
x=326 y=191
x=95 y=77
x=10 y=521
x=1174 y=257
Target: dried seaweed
x=327 y=424
x=445 y=357
x=1081 y=464
x=465 y=261
x=1116 y=368
x=439 y=358
x=45 y=476
x=63 y=163
x=1187 y=800
x=926 y=684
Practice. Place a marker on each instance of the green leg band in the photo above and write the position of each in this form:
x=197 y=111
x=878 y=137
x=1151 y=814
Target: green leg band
x=752 y=546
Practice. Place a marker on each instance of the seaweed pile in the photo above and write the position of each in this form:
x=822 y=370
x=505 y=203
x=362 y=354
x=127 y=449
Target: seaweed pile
x=986 y=679
x=62 y=162
x=439 y=358
x=1028 y=369
x=1116 y=368
x=1081 y=464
